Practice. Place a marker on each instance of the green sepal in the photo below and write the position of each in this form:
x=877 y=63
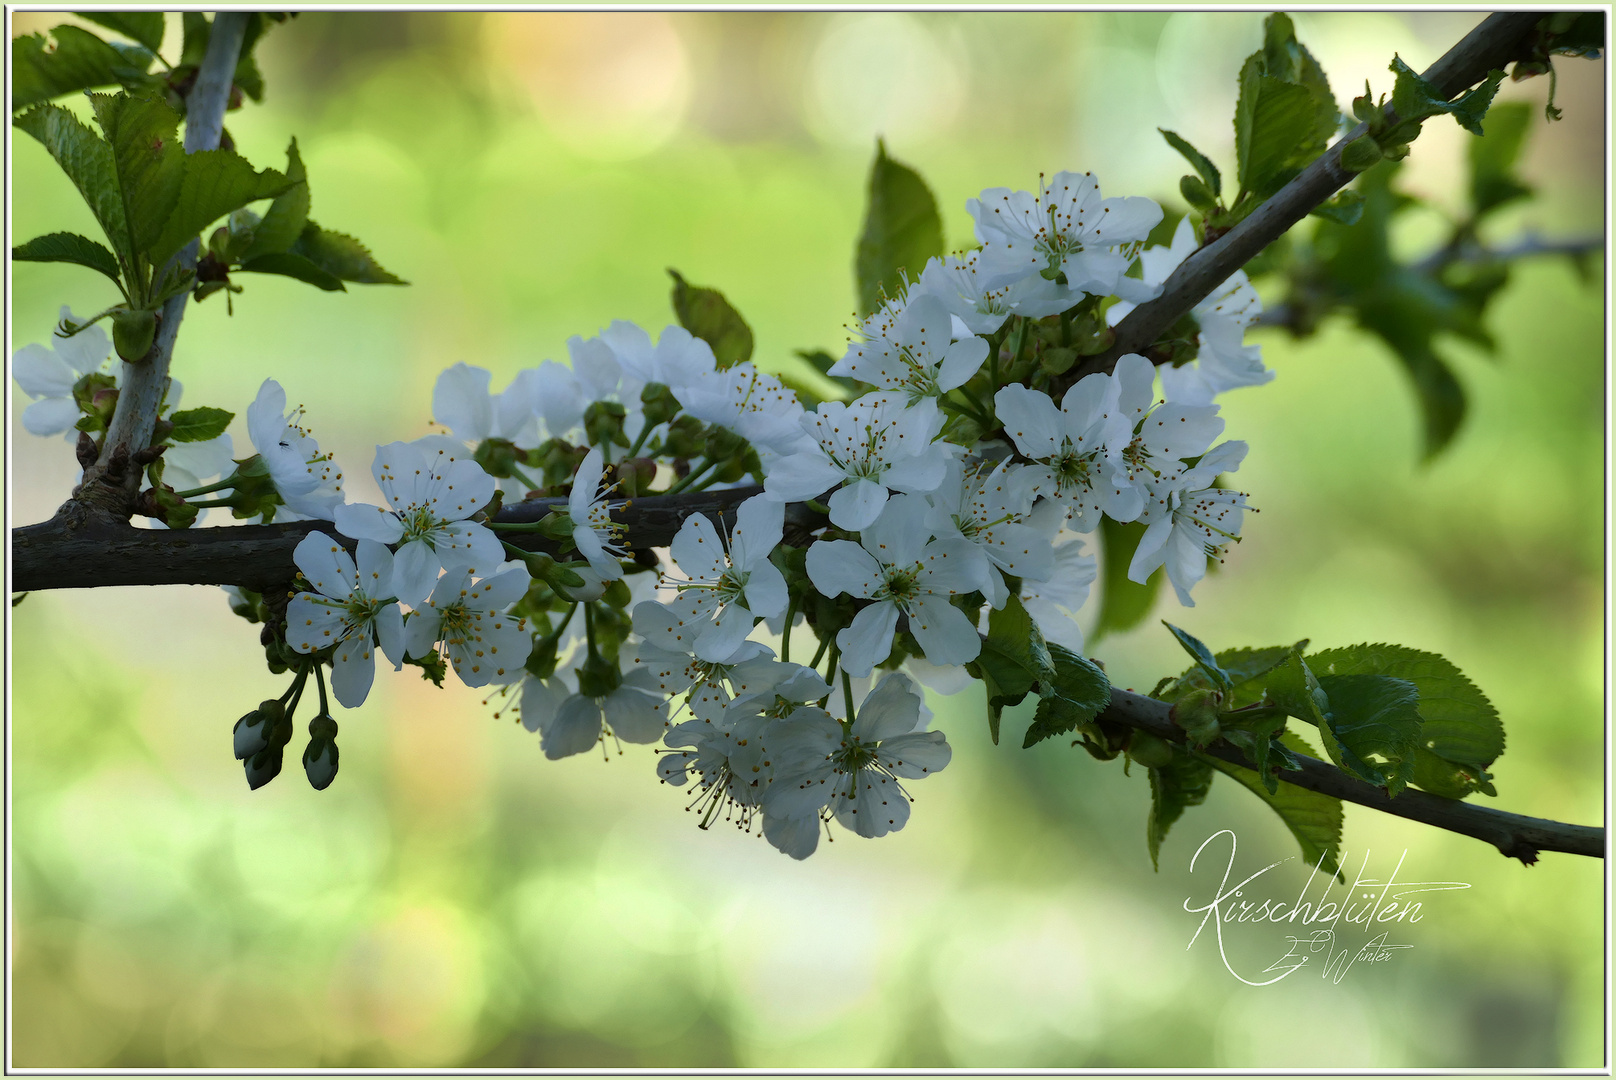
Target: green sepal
x=432 y=665
x=1343 y=208
x=707 y=315
x=902 y=230
x=199 y=424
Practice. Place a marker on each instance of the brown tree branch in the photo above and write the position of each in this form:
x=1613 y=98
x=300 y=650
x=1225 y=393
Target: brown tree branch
x=1515 y=835
x=1499 y=40
x=57 y=555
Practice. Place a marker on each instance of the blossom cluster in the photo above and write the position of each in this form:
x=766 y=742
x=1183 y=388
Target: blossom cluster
x=949 y=483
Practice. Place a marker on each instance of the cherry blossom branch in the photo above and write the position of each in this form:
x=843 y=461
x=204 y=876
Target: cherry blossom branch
x=57 y=555
x=1500 y=39
x=1515 y=835
x=109 y=486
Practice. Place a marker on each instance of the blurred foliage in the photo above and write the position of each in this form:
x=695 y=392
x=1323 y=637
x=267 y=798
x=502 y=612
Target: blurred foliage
x=463 y=902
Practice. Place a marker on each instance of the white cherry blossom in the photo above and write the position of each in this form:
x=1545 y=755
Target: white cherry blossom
x=914 y=354
x=1200 y=521
x=47 y=374
x=894 y=565
x=482 y=642
x=1053 y=602
x=988 y=506
x=1075 y=448
x=1164 y=434
x=854 y=772
x=1066 y=227
x=351 y=608
x=725 y=590
x=431 y=492
x=596 y=536
x=865 y=449
x=634 y=711
x=308 y=481
x=678 y=358
x=461 y=402
x=755 y=405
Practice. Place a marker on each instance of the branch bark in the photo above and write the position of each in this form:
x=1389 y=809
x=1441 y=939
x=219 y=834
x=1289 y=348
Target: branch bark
x=55 y=555
x=1499 y=40
x=1515 y=835
x=108 y=490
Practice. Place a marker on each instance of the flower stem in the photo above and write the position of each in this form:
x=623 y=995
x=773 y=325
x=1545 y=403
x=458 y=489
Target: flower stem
x=208 y=489
x=319 y=681
x=208 y=504
x=518 y=474
x=847 y=694
x=785 y=635
x=690 y=478
x=819 y=654
x=589 y=628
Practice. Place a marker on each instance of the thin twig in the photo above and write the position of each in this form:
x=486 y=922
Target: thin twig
x=1500 y=39
x=141 y=391
x=1514 y=835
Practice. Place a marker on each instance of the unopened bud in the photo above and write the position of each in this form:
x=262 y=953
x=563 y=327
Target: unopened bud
x=133 y=330
x=658 y=404
x=320 y=763
x=1360 y=154
x=1197 y=713
x=685 y=437
x=496 y=456
x=1150 y=751
x=249 y=735
x=85 y=450
x=603 y=423
x=263 y=766
x=635 y=476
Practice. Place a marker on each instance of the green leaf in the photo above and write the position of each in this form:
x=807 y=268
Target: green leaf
x=1272 y=119
x=1371 y=727
x=1182 y=783
x=1287 y=58
x=1202 y=656
x=1198 y=161
x=1292 y=686
x=216 y=182
x=1075 y=696
x=1123 y=603
x=289 y=265
x=148 y=157
x=1313 y=819
x=1416 y=99
x=1343 y=208
x=1013 y=660
x=199 y=425
x=145 y=27
x=707 y=315
x=902 y=230
x=1441 y=398
x=283 y=222
x=1493 y=157
x=69 y=248
x=77 y=61
x=342 y=256
x=87 y=160
x=1461 y=735
x=1244 y=666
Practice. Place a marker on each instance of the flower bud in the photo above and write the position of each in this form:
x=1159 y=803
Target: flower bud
x=684 y=438
x=603 y=423
x=1197 y=713
x=249 y=735
x=263 y=766
x=635 y=476
x=1197 y=194
x=658 y=403
x=496 y=456
x=1149 y=751
x=320 y=763
x=133 y=330
x=1360 y=154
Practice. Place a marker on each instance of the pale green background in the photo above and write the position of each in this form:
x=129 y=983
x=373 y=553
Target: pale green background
x=455 y=899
